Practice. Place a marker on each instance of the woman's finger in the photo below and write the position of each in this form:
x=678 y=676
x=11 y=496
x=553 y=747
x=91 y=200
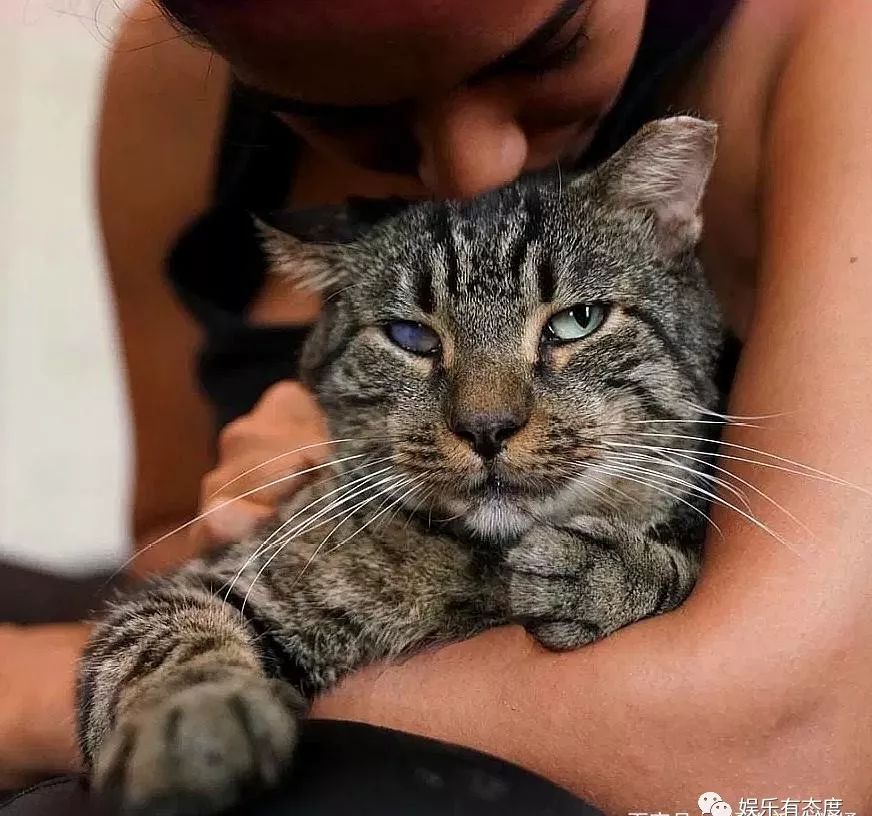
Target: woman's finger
x=225 y=523
x=264 y=457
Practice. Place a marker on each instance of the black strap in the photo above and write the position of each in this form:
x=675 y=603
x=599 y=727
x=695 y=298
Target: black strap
x=258 y=155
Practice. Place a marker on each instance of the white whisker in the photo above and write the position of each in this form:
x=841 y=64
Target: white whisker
x=373 y=519
x=308 y=524
x=700 y=409
x=618 y=471
x=598 y=490
x=699 y=460
x=426 y=495
x=228 y=502
x=259 y=573
x=806 y=470
x=284 y=455
x=588 y=474
x=399 y=507
x=349 y=514
x=270 y=541
x=719 y=500
x=342 y=488
x=281 y=547
x=687 y=421
x=664 y=460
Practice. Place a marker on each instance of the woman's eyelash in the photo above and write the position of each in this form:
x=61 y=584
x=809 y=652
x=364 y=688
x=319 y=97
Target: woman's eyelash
x=560 y=57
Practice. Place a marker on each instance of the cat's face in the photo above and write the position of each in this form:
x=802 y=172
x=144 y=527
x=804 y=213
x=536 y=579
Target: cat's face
x=498 y=349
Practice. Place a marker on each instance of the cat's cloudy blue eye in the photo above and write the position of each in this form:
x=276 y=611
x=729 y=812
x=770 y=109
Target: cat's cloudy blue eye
x=414 y=337
x=575 y=323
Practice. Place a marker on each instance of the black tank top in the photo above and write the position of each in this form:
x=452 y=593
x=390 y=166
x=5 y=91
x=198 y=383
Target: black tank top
x=217 y=266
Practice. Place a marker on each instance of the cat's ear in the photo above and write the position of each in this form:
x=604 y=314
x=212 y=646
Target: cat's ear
x=664 y=169
x=314 y=266
x=308 y=245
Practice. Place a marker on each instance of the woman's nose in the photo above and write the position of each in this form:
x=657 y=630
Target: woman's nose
x=469 y=143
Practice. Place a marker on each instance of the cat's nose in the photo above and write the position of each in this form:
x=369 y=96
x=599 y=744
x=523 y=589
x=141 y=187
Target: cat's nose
x=487 y=432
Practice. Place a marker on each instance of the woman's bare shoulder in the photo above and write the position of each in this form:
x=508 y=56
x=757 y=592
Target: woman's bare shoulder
x=734 y=84
x=159 y=130
x=163 y=102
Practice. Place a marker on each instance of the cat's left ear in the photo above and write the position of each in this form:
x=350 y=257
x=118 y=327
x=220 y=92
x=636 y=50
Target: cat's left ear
x=310 y=245
x=664 y=169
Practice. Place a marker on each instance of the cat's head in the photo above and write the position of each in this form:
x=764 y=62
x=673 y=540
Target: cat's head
x=501 y=350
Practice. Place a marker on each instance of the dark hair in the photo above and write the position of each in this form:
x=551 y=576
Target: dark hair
x=186 y=15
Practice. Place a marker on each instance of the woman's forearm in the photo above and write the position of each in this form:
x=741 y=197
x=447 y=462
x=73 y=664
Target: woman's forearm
x=37 y=690
x=638 y=722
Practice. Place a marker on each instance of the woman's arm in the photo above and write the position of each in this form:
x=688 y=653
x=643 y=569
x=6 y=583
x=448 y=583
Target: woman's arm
x=161 y=111
x=159 y=127
x=162 y=118
x=37 y=678
x=760 y=684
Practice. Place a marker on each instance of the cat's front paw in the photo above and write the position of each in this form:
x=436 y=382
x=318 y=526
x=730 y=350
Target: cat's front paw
x=562 y=589
x=202 y=749
x=545 y=582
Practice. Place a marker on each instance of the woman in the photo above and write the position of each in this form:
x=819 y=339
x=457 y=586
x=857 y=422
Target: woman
x=759 y=685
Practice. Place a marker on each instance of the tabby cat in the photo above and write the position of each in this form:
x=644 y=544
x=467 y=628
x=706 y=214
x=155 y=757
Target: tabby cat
x=482 y=365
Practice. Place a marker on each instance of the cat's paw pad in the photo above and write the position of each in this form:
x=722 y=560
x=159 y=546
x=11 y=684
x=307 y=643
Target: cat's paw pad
x=202 y=749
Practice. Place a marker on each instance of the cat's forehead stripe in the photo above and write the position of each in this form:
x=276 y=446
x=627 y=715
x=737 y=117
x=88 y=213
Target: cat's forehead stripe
x=547 y=279
x=443 y=239
x=423 y=284
x=497 y=251
x=528 y=233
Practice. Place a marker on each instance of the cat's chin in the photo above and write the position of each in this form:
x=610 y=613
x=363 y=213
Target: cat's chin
x=513 y=511
x=498 y=519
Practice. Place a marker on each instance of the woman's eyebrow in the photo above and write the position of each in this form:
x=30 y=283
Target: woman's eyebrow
x=533 y=45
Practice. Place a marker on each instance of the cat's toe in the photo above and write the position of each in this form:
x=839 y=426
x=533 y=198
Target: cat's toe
x=539 y=593
x=548 y=607
x=564 y=635
x=202 y=750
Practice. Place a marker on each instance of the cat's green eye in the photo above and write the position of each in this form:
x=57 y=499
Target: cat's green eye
x=573 y=324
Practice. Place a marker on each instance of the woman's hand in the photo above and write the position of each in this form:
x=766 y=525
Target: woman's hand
x=257 y=456
x=37 y=689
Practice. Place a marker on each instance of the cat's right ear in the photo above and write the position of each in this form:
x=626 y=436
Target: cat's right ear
x=313 y=266
x=664 y=169
x=309 y=245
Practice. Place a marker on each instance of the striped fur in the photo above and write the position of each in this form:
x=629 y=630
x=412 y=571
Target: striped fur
x=191 y=690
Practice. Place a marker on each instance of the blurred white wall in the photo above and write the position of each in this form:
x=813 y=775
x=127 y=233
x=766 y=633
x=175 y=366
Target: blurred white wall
x=63 y=424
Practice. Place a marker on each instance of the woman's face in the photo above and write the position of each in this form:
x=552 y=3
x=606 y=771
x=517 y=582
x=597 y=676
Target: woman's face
x=463 y=94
